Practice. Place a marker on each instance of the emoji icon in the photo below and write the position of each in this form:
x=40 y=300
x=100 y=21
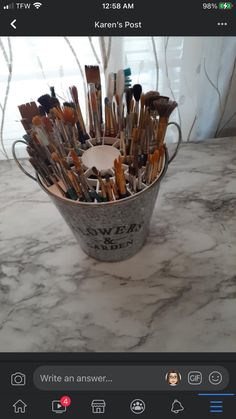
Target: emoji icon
x=215 y=378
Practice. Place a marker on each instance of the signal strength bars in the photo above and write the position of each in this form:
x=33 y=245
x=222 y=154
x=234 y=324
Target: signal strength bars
x=9 y=6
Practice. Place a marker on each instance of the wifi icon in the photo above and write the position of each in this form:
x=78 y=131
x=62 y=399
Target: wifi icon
x=37 y=5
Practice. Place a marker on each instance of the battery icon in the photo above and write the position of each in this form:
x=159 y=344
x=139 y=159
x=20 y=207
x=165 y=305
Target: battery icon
x=225 y=6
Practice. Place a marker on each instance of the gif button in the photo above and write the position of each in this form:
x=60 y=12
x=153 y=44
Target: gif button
x=195 y=378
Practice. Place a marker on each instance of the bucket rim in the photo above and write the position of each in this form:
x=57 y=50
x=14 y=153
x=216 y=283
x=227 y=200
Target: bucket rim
x=102 y=204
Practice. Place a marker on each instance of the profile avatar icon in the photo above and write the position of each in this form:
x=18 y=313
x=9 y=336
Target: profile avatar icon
x=173 y=378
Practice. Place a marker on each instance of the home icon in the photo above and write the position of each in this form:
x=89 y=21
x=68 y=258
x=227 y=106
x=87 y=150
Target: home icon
x=19 y=407
x=98 y=406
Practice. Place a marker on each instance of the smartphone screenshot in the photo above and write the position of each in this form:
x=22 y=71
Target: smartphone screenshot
x=117 y=209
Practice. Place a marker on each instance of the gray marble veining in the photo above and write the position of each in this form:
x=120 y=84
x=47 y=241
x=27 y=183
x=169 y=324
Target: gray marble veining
x=177 y=294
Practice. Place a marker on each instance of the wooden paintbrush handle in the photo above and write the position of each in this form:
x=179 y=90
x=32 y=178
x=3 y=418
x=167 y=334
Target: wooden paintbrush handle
x=161 y=131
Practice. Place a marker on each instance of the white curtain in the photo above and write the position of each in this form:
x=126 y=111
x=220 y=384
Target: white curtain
x=199 y=73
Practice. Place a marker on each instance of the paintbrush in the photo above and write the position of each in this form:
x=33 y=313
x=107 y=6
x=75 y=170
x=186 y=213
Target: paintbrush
x=150 y=97
x=44 y=132
x=132 y=179
x=129 y=116
x=28 y=111
x=47 y=103
x=120 y=178
x=67 y=115
x=101 y=184
x=65 y=177
x=128 y=97
x=94 y=112
x=134 y=146
x=122 y=144
x=92 y=73
x=76 y=161
x=139 y=183
x=84 y=185
x=114 y=189
x=164 y=107
x=83 y=135
x=95 y=196
x=142 y=113
x=111 y=84
x=40 y=133
x=45 y=167
x=109 y=188
x=111 y=79
x=107 y=118
x=154 y=172
x=52 y=90
x=137 y=91
x=123 y=81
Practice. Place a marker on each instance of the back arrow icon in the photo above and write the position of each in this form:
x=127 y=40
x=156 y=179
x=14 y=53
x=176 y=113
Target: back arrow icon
x=13 y=23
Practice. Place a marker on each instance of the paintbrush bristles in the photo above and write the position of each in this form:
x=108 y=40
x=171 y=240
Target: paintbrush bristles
x=128 y=96
x=164 y=106
x=46 y=102
x=47 y=124
x=92 y=73
x=37 y=121
x=110 y=86
x=150 y=97
x=137 y=91
x=95 y=171
x=74 y=94
x=66 y=114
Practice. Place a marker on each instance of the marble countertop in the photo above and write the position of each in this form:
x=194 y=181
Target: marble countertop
x=177 y=294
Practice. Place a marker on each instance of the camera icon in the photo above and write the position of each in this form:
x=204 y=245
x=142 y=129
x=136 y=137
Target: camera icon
x=18 y=379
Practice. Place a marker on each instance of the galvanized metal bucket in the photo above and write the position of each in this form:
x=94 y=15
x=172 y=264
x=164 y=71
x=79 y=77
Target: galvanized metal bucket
x=110 y=231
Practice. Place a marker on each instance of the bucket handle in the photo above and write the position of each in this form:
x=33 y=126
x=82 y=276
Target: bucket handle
x=17 y=161
x=178 y=142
